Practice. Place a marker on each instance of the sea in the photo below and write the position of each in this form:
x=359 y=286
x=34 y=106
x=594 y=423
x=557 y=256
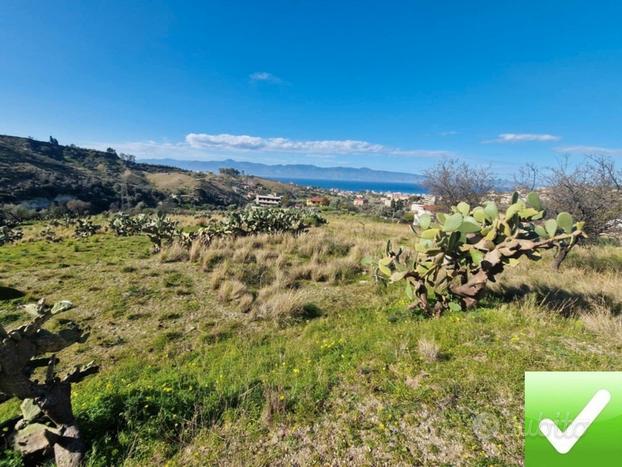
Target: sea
x=356 y=185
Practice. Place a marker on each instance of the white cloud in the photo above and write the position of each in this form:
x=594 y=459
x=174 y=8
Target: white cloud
x=265 y=77
x=257 y=143
x=523 y=138
x=589 y=150
x=202 y=146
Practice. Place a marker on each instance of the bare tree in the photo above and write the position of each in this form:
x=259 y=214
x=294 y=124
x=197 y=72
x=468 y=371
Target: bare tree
x=452 y=181
x=526 y=179
x=590 y=190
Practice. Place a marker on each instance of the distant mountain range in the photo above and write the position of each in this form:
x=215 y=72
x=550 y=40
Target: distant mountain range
x=293 y=171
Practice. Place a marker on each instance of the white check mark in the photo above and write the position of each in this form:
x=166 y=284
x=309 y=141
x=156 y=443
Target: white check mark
x=563 y=441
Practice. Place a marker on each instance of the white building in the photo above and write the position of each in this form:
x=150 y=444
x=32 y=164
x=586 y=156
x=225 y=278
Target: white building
x=268 y=200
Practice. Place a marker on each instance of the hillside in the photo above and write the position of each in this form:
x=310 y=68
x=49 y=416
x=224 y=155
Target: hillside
x=38 y=173
x=294 y=171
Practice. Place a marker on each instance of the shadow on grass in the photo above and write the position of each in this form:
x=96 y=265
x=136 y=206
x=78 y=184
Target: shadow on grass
x=564 y=302
x=595 y=263
x=9 y=293
x=311 y=311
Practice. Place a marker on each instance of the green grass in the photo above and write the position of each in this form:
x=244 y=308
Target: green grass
x=187 y=381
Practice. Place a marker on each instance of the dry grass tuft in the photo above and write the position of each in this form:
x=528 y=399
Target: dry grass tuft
x=244 y=254
x=284 y=306
x=212 y=258
x=601 y=321
x=230 y=290
x=428 y=350
x=219 y=275
x=196 y=251
x=173 y=253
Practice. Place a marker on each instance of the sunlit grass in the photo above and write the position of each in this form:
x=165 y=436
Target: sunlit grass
x=321 y=363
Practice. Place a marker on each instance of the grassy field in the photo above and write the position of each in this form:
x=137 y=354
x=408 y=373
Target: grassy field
x=282 y=350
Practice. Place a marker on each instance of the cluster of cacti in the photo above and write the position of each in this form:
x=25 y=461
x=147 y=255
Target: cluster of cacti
x=457 y=253
x=162 y=230
x=159 y=228
x=65 y=221
x=84 y=227
x=260 y=220
x=47 y=425
x=124 y=225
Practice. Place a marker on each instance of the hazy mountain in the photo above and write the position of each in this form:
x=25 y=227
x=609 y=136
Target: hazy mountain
x=293 y=171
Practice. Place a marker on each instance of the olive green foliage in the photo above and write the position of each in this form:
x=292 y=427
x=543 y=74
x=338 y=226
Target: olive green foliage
x=84 y=227
x=457 y=253
x=256 y=221
x=163 y=230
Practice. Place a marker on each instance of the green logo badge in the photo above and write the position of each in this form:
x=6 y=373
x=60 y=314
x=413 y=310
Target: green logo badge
x=573 y=418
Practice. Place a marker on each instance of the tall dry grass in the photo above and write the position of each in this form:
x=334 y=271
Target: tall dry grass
x=268 y=274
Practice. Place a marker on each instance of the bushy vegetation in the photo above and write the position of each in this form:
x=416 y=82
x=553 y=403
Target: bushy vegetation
x=459 y=252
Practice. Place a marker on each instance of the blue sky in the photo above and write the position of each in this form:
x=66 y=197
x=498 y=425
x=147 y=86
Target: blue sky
x=392 y=85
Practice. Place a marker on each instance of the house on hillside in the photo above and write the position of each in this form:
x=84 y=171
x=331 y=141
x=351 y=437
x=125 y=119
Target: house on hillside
x=360 y=201
x=419 y=208
x=268 y=200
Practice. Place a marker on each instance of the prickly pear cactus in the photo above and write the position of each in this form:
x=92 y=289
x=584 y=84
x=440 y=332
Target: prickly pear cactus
x=9 y=231
x=48 y=424
x=457 y=253
x=123 y=224
x=85 y=228
x=159 y=229
x=260 y=220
